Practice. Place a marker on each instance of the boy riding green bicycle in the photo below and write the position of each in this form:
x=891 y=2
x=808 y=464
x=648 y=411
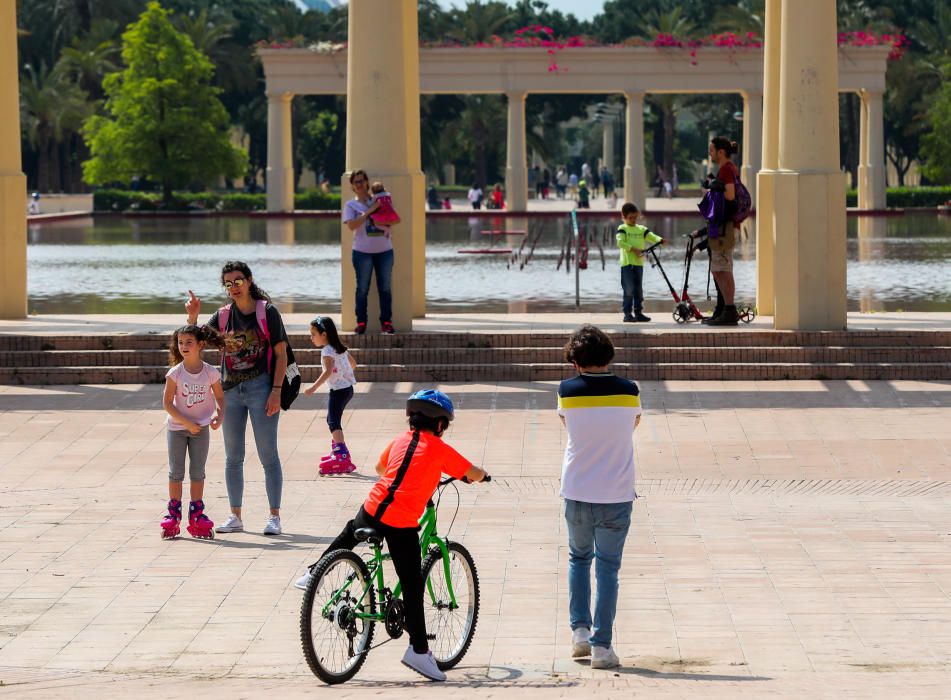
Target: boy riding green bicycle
x=339 y=609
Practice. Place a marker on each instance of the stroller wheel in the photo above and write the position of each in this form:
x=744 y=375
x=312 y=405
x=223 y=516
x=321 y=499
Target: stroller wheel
x=682 y=313
x=746 y=313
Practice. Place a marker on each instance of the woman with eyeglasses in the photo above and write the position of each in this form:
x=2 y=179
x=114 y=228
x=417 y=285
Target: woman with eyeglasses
x=253 y=365
x=372 y=253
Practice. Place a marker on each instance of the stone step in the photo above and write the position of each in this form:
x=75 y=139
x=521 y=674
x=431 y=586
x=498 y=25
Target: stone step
x=503 y=356
x=523 y=372
x=691 y=336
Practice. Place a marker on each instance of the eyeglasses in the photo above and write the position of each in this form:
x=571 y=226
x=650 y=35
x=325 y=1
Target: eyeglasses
x=359 y=182
x=239 y=282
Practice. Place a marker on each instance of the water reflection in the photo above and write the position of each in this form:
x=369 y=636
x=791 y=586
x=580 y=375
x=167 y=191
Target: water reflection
x=144 y=264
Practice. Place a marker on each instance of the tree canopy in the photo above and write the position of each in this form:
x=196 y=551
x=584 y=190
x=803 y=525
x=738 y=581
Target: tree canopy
x=163 y=118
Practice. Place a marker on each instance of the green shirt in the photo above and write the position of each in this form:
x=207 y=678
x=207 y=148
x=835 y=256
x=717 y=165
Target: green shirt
x=634 y=237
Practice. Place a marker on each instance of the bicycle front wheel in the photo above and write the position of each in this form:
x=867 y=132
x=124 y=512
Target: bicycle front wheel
x=450 y=626
x=334 y=639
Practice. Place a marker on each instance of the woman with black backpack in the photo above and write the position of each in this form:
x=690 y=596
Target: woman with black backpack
x=253 y=367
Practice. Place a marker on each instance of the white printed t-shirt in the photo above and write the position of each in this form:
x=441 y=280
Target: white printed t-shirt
x=342 y=375
x=194 y=398
x=599 y=412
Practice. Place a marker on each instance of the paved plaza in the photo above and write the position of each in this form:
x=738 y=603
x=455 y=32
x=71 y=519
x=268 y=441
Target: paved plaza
x=792 y=538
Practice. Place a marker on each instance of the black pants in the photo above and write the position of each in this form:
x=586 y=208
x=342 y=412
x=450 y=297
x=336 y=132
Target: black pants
x=339 y=398
x=403 y=543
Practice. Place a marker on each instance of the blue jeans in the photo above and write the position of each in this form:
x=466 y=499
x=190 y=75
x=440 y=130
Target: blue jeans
x=632 y=284
x=595 y=531
x=364 y=264
x=250 y=399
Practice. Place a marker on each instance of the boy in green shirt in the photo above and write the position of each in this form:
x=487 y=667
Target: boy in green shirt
x=632 y=238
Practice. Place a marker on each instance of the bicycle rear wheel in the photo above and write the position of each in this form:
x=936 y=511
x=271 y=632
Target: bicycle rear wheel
x=335 y=642
x=450 y=627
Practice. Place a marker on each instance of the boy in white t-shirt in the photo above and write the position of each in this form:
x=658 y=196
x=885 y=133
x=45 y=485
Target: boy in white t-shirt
x=600 y=411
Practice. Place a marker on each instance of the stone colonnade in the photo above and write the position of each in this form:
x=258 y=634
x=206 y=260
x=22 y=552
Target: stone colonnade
x=871 y=179
x=629 y=71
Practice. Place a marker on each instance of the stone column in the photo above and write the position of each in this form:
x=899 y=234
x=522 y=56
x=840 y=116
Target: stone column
x=383 y=83
x=635 y=184
x=12 y=180
x=765 y=180
x=280 y=157
x=516 y=168
x=873 y=149
x=862 y=175
x=751 y=148
x=809 y=213
x=607 y=139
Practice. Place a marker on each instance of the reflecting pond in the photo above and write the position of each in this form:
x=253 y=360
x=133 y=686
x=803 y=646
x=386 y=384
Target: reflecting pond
x=113 y=264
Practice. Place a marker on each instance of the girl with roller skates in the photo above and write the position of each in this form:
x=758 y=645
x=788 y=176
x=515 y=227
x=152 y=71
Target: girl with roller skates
x=338 y=366
x=194 y=402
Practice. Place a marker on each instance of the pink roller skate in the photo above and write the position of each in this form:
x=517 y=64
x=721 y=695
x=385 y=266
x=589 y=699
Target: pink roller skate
x=199 y=524
x=339 y=463
x=170 y=522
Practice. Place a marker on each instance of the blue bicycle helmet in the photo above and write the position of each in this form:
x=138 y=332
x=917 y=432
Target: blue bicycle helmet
x=430 y=402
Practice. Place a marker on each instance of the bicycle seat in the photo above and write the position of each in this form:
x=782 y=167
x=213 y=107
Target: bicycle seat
x=368 y=534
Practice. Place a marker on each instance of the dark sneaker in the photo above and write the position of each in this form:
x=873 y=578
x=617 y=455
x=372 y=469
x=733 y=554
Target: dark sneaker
x=628 y=319
x=641 y=318
x=387 y=328
x=360 y=329
x=729 y=317
x=716 y=314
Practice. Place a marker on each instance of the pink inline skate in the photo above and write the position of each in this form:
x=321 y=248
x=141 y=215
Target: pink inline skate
x=199 y=524
x=338 y=462
x=170 y=528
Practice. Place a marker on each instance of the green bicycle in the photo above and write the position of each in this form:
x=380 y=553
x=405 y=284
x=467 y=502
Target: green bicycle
x=347 y=597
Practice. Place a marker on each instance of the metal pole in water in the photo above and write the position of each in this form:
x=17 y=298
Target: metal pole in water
x=574 y=228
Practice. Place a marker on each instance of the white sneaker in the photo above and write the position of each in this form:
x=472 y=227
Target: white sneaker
x=232 y=524
x=273 y=525
x=304 y=581
x=604 y=657
x=580 y=644
x=423 y=664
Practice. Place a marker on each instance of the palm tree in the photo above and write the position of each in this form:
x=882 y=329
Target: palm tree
x=479 y=22
x=743 y=17
x=52 y=109
x=481 y=121
x=92 y=56
x=668 y=19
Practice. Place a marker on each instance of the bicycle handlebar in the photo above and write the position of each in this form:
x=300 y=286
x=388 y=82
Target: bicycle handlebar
x=450 y=479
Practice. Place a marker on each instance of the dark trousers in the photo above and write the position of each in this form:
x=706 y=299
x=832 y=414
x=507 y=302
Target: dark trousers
x=339 y=398
x=632 y=285
x=365 y=264
x=403 y=543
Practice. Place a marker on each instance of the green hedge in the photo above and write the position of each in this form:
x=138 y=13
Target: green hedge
x=900 y=197
x=125 y=200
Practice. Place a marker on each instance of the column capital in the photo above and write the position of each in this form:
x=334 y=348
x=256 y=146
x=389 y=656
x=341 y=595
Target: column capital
x=752 y=94
x=516 y=94
x=279 y=96
x=630 y=95
x=867 y=94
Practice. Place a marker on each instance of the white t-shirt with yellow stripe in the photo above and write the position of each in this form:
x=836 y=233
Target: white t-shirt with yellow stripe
x=599 y=412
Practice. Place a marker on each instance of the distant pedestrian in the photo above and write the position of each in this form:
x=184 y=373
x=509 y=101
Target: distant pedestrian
x=600 y=411
x=475 y=196
x=432 y=197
